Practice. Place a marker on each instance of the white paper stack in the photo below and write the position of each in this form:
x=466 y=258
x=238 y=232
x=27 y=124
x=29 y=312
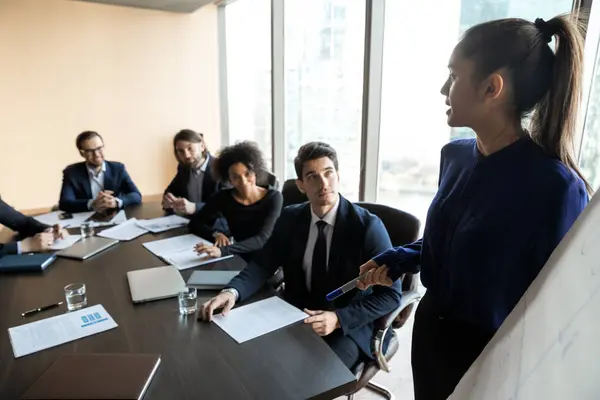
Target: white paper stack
x=179 y=251
x=75 y=222
x=257 y=319
x=162 y=224
x=128 y=230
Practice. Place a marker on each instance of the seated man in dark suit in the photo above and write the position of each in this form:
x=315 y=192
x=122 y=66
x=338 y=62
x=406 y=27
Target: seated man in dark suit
x=320 y=245
x=96 y=184
x=193 y=185
x=35 y=235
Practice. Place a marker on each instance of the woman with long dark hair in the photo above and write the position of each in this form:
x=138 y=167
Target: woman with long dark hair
x=505 y=199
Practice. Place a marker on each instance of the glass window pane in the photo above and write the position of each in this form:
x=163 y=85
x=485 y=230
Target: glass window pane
x=589 y=160
x=413 y=115
x=248 y=38
x=324 y=55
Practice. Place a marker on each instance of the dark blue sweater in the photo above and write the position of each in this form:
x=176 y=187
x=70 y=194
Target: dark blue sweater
x=490 y=229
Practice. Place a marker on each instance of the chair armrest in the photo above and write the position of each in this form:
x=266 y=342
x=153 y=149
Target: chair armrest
x=383 y=324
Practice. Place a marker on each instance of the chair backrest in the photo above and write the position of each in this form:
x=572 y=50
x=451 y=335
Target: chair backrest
x=403 y=229
x=269 y=180
x=291 y=193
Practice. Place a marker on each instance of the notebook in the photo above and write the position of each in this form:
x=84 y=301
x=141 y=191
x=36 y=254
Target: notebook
x=87 y=247
x=96 y=376
x=155 y=283
x=210 y=280
x=26 y=262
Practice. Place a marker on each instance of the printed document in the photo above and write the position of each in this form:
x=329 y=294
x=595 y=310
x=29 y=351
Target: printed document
x=179 y=251
x=50 y=332
x=257 y=319
x=75 y=222
x=162 y=224
x=62 y=244
x=128 y=230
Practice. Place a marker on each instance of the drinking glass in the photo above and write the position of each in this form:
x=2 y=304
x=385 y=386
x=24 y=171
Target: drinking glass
x=75 y=296
x=188 y=301
x=87 y=229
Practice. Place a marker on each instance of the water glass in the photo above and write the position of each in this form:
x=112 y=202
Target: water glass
x=75 y=296
x=87 y=229
x=188 y=301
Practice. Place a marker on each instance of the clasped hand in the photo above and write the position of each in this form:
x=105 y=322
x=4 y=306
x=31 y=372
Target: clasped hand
x=180 y=205
x=105 y=201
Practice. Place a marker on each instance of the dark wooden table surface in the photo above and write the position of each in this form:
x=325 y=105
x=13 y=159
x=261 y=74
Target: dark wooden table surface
x=199 y=360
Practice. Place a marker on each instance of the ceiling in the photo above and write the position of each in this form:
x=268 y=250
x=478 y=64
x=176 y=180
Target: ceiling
x=180 y=6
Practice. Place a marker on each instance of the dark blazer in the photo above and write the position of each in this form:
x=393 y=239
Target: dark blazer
x=76 y=190
x=26 y=226
x=358 y=236
x=178 y=186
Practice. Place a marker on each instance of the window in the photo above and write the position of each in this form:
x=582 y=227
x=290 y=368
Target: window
x=590 y=148
x=248 y=36
x=413 y=119
x=324 y=56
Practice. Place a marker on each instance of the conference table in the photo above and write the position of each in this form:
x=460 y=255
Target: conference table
x=198 y=359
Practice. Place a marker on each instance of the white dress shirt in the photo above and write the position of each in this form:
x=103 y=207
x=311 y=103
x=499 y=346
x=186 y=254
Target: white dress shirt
x=97 y=184
x=313 y=233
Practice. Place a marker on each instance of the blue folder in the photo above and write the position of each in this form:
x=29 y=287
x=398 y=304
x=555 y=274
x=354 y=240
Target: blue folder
x=26 y=262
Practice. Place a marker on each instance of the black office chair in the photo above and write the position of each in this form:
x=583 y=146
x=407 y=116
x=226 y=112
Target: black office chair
x=291 y=193
x=403 y=228
x=269 y=180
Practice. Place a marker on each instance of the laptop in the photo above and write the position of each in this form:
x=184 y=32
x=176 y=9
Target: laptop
x=87 y=247
x=155 y=283
x=211 y=280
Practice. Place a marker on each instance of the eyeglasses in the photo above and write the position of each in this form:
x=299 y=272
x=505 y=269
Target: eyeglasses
x=92 y=151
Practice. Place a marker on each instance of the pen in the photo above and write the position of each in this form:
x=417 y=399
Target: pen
x=36 y=310
x=345 y=288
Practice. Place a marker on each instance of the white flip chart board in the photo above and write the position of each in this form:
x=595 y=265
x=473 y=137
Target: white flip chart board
x=549 y=346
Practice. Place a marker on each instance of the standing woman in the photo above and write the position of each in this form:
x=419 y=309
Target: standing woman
x=505 y=199
x=249 y=209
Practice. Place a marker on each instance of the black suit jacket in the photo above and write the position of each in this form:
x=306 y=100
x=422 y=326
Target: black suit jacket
x=178 y=186
x=76 y=190
x=26 y=226
x=358 y=236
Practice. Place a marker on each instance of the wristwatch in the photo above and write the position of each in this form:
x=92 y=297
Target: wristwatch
x=233 y=291
x=215 y=234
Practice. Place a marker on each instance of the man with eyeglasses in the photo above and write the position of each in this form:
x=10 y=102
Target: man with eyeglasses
x=96 y=184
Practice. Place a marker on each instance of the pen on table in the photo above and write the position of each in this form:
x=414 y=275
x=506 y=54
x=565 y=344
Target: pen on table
x=37 y=310
x=345 y=288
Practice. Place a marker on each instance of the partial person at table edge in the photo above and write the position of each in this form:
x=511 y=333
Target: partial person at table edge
x=320 y=244
x=505 y=199
x=193 y=184
x=96 y=184
x=33 y=236
x=240 y=219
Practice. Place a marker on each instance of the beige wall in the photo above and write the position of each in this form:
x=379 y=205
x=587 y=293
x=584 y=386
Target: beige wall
x=136 y=76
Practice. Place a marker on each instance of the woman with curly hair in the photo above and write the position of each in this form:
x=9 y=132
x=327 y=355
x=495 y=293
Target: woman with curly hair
x=249 y=209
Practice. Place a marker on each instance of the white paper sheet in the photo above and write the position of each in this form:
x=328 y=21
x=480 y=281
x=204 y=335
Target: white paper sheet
x=257 y=319
x=75 y=222
x=547 y=348
x=50 y=332
x=62 y=244
x=179 y=251
x=163 y=224
x=128 y=230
